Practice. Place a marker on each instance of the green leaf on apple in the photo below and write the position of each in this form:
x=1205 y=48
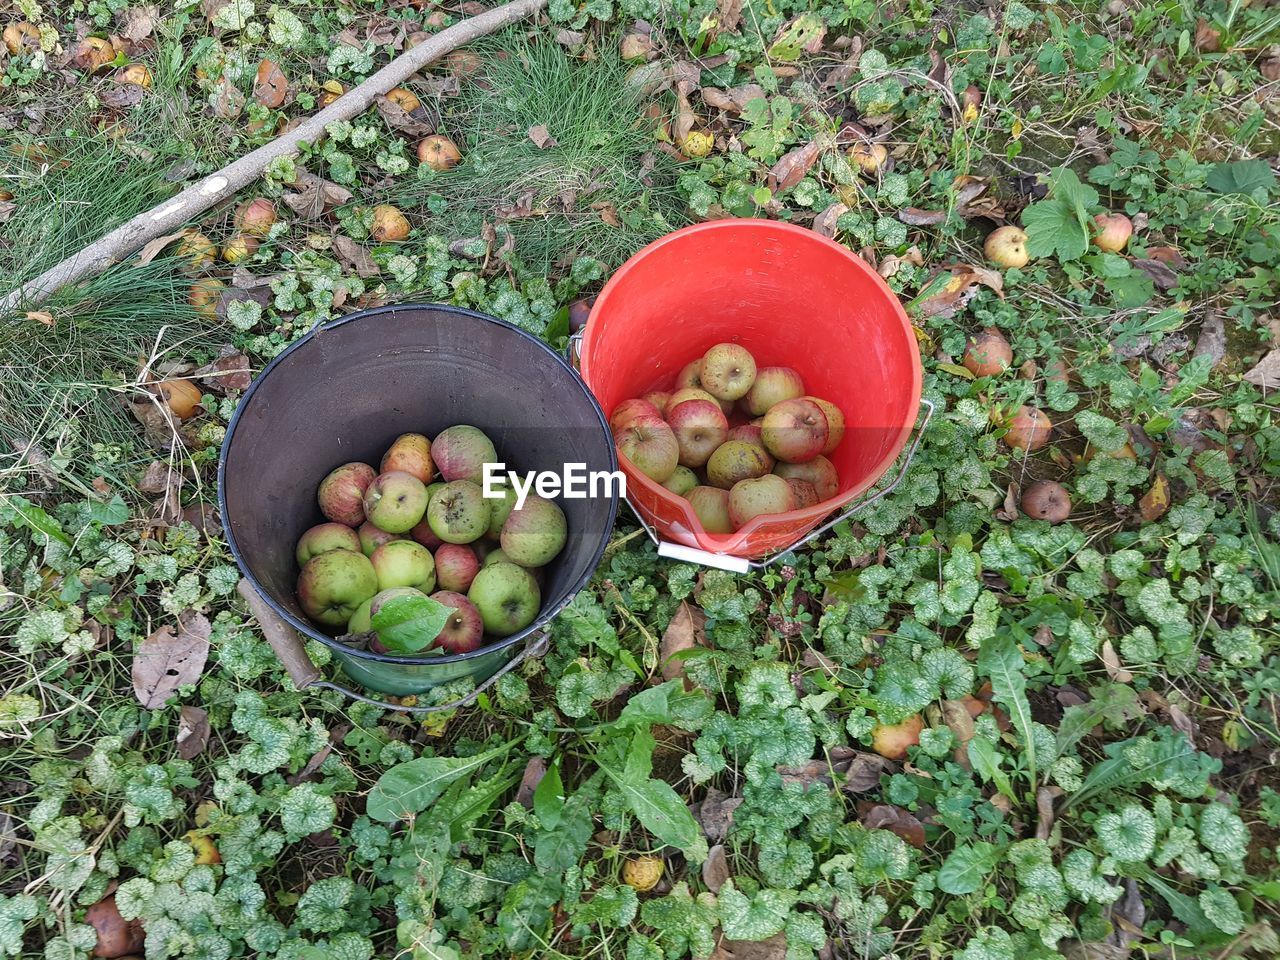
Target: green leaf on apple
x=408 y=624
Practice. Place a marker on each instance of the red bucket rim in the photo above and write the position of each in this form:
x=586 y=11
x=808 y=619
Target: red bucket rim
x=738 y=543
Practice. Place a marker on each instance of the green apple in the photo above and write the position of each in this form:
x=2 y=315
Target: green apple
x=404 y=563
x=507 y=597
x=333 y=585
x=324 y=537
x=459 y=512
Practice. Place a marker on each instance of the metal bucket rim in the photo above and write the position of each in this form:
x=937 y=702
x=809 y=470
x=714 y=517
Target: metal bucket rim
x=545 y=616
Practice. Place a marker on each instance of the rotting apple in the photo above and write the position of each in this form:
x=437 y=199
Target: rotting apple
x=750 y=432
x=835 y=422
x=1047 y=500
x=892 y=740
x=464 y=630
x=507 y=597
x=461 y=451
x=324 y=537
x=404 y=98
x=404 y=563
x=758 y=496
x=395 y=501
x=438 y=152
x=1029 y=429
x=389 y=224
x=736 y=460
x=21 y=36
x=456 y=566
x=333 y=584
x=239 y=248
x=987 y=353
x=410 y=452
x=728 y=371
x=255 y=217
x=803 y=493
x=700 y=427
x=869 y=157
x=649 y=443
x=711 y=507
x=459 y=512
x=205 y=295
x=1006 y=247
x=772 y=386
x=795 y=430
x=534 y=533
x=819 y=471
x=134 y=73
x=341 y=493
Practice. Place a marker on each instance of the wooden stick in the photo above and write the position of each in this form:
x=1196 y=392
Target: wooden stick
x=284 y=640
x=213 y=189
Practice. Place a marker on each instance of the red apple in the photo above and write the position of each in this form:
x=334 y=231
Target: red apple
x=987 y=354
x=424 y=535
x=795 y=430
x=628 y=410
x=411 y=452
x=464 y=630
x=341 y=493
x=700 y=426
x=456 y=566
x=772 y=386
x=750 y=432
x=819 y=471
x=651 y=446
x=1029 y=429
x=1114 y=230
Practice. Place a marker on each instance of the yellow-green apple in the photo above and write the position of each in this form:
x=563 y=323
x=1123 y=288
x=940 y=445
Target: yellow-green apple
x=752 y=498
x=728 y=371
x=456 y=566
x=464 y=630
x=507 y=597
x=499 y=509
x=697 y=393
x=395 y=501
x=411 y=452
x=341 y=493
x=459 y=512
x=659 y=398
x=1007 y=247
x=711 y=506
x=332 y=585
x=651 y=446
x=771 y=387
x=535 y=532
x=362 y=620
x=835 y=422
x=819 y=471
x=795 y=430
x=1113 y=232
x=460 y=453
x=700 y=426
x=371 y=538
x=628 y=410
x=682 y=481
x=324 y=537
x=404 y=563
x=803 y=493
x=736 y=460
x=690 y=375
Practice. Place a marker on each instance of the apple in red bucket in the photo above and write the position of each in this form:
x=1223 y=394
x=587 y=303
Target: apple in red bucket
x=736 y=460
x=795 y=430
x=728 y=371
x=772 y=386
x=651 y=446
x=628 y=410
x=682 y=481
x=760 y=495
x=711 y=505
x=700 y=427
x=819 y=471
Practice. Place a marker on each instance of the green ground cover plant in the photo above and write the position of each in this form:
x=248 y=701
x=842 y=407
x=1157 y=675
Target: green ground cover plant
x=946 y=730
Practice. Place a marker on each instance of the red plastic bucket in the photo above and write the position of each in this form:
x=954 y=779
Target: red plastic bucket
x=791 y=297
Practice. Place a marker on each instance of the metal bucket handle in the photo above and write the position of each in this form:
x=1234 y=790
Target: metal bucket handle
x=288 y=648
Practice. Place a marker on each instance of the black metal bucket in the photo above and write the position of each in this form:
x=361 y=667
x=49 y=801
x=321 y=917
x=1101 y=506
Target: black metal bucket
x=345 y=391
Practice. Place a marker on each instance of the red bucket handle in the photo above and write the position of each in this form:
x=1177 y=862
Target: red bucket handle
x=725 y=561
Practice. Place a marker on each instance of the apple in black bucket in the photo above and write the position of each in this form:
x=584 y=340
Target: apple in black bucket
x=345 y=392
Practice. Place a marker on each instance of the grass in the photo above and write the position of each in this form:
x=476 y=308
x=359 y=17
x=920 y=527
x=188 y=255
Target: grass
x=601 y=189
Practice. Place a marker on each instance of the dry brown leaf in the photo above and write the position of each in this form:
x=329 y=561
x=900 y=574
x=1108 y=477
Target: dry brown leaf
x=715 y=814
x=355 y=256
x=684 y=632
x=152 y=249
x=729 y=15
x=315 y=196
x=715 y=869
x=864 y=771
x=844 y=72
x=886 y=816
x=121 y=96
x=947 y=299
x=159 y=477
x=542 y=137
x=534 y=771
x=1208 y=40
x=139 y=22
x=318 y=758
x=775 y=948
x=792 y=167
x=1155 y=502
x=270 y=85
x=1044 y=809
x=41 y=316
x=1008 y=511
x=400 y=119
x=1182 y=722
x=229 y=101
x=608 y=213
x=1160 y=273
x=1212 y=341
x=1266 y=372
x=166 y=660
x=732 y=100
x=824 y=224
x=230 y=371
x=915 y=217
x=193 y=732
x=1111 y=660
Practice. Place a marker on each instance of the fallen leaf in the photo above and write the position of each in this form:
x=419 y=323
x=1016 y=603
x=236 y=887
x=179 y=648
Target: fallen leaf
x=41 y=316
x=608 y=213
x=729 y=15
x=159 y=477
x=315 y=196
x=974 y=199
x=534 y=771
x=1111 y=660
x=270 y=85
x=193 y=732
x=844 y=72
x=159 y=425
x=166 y=660
x=355 y=256
x=714 y=814
x=1266 y=372
x=715 y=869
x=886 y=816
x=915 y=217
x=733 y=99
x=229 y=101
x=121 y=96
x=956 y=715
x=1183 y=723
x=153 y=248
x=1155 y=502
x=774 y=948
x=1160 y=273
x=400 y=119
x=1208 y=40
x=1008 y=511
x=1212 y=341
x=824 y=224
x=541 y=137
x=1044 y=809
x=230 y=371
x=1128 y=914
x=792 y=167
x=863 y=772
x=139 y=22
x=518 y=209
x=684 y=632
x=947 y=293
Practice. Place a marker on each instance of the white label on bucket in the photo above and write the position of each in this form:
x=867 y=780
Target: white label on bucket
x=574 y=482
